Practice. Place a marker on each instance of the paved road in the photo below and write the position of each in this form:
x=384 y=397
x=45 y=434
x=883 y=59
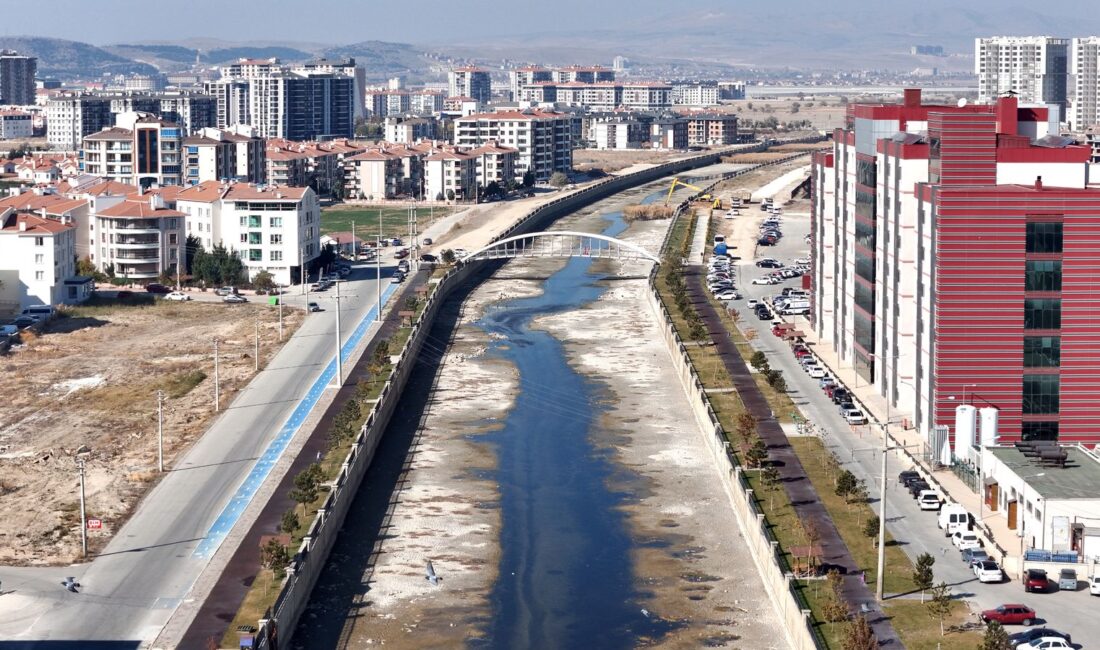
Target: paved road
x=860 y=448
x=131 y=589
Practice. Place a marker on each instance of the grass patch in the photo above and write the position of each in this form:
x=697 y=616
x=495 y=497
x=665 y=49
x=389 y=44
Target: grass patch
x=395 y=220
x=181 y=384
x=918 y=631
x=260 y=596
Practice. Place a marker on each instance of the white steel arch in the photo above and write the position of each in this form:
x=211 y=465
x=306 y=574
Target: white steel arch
x=561 y=243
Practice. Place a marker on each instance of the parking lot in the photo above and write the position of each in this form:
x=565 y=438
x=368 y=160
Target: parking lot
x=858 y=446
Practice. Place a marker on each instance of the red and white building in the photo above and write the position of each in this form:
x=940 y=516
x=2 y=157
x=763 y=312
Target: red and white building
x=954 y=254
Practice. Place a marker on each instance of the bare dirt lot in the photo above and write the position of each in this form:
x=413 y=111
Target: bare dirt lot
x=86 y=388
x=613 y=161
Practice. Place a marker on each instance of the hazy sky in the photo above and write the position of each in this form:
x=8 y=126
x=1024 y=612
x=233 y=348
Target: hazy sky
x=448 y=21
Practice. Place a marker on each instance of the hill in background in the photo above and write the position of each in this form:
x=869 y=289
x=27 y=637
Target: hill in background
x=73 y=59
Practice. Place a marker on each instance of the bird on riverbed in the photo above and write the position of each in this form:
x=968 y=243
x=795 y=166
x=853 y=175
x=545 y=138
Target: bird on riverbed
x=71 y=584
x=431 y=576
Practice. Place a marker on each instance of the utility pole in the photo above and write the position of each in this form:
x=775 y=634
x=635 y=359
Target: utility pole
x=179 y=263
x=281 y=293
x=83 y=519
x=217 y=384
x=302 y=259
x=378 y=269
x=256 y=353
x=339 y=361
x=160 y=431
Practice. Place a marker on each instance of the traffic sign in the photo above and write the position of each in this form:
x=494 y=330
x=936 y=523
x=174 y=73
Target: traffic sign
x=95 y=524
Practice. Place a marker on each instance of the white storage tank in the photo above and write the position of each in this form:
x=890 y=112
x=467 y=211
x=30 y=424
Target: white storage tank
x=987 y=418
x=965 y=429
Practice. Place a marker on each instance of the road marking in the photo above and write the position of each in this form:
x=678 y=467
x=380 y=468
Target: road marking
x=255 y=478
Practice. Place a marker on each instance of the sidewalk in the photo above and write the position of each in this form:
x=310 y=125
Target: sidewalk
x=1001 y=543
x=699 y=239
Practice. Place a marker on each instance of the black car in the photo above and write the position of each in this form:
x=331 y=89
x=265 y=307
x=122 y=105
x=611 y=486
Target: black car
x=1027 y=636
x=908 y=476
x=769 y=264
x=841 y=395
x=23 y=322
x=427 y=257
x=764 y=315
x=916 y=486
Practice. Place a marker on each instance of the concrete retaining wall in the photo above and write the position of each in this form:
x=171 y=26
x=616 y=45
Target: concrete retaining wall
x=310 y=559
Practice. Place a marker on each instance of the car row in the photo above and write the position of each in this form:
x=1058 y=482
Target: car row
x=720 y=280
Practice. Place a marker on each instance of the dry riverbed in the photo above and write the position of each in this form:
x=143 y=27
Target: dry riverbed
x=690 y=564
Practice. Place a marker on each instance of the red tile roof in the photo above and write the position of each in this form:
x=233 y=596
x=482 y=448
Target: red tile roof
x=138 y=208
x=36 y=226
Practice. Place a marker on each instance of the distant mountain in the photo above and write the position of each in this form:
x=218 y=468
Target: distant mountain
x=71 y=59
x=225 y=55
x=383 y=60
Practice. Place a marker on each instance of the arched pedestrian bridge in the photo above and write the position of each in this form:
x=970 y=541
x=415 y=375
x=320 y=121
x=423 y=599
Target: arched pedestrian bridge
x=561 y=243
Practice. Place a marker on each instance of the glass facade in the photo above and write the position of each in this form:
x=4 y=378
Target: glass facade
x=865 y=297
x=865 y=234
x=1044 y=238
x=1040 y=394
x=1042 y=351
x=1042 y=314
x=1044 y=275
x=1039 y=431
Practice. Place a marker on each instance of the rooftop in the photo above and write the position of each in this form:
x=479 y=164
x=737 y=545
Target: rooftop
x=1078 y=480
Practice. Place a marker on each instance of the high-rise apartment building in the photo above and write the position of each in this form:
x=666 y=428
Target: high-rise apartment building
x=141 y=150
x=1035 y=68
x=1084 y=83
x=347 y=68
x=17 y=78
x=472 y=82
x=222 y=155
x=544 y=140
x=526 y=76
x=70 y=117
x=300 y=103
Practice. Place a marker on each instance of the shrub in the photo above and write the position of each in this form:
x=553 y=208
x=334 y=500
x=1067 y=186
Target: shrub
x=290 y=521
x=759 y=360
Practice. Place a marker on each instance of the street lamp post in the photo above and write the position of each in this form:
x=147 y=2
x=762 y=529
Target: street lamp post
x=160 y=431
x=83 y=519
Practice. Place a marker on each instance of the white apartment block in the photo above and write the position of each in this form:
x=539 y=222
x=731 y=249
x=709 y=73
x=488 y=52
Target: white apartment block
x=543 y=139
x=71 y=116
x=36 y=259
x=15 y=124
x=1036 y=68
x=219 y=155
x=470 y=82
x=137 y=235
x=695 y=94
x=410 y=129
x=595 y=96
x=450 y=174
x=647 y=96
x=527 y=76
x=494 y=164
x=373 y=174
x=1084 y=83
x=273 y=229
x=617 y=133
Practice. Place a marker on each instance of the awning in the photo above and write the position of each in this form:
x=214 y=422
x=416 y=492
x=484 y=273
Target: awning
x=989 y=480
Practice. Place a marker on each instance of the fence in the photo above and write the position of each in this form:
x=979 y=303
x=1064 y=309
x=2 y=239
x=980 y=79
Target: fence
x=314 y=550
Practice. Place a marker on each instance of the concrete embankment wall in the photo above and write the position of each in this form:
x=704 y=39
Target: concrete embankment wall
x=313 y=553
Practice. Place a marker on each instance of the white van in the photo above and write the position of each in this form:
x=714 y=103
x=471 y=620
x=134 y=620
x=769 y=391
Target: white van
x=44 y=312
x=953 y=518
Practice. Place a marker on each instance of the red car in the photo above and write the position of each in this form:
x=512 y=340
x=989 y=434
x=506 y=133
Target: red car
x=1010 y=615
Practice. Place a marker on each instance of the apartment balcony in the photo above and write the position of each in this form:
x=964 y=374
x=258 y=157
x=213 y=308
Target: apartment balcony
x=138 y=270
x=137 y=227
x=153 y=254
x=137 y=241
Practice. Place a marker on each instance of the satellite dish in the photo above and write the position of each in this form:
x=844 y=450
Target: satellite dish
x=962 y=103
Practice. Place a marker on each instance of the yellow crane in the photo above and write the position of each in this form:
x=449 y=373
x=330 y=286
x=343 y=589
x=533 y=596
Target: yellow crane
x=717 y=203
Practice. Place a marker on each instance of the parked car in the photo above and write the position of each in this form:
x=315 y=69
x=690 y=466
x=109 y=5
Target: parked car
x=816 y=373
x=988 y=571
x=855 y=416
x=769 y=263
x=918 y=486
x=764 y=315
x=23 y=322
x=1027 y=636
x=156 y=287
x=427 y=241
x=318 y=286
x=313 y=307
x=1067 y=580
x=429 y=258
x=404 y=252
x=1094 y=585
x=397 y=278
x=178 y=296
x=929 y=500
x=1036 y=580
x=908 y=475
x=1010 y=614
x=726 y=294
x=225 y=291
x=974 y=555
x=1045 y=643
x=234 y=298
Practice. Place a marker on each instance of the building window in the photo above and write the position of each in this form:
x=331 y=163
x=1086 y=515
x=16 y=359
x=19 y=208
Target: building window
x=1042 y=351
x=244 y=222
x=275 y=222
x=1042 y=314
x=255 y=221
x=39 y=275
x=276 y=256
x=1043 y=275
x=1040 y=394
x=276 y=239
x=39 y=258
x=1039 y=431
x=172 y=239
x=255 y=255
x=1044 y=238
x=255 y=238
x=244 y=238
x=39 y=241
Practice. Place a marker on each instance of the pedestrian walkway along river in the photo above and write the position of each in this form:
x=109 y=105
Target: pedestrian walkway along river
x=546 y=464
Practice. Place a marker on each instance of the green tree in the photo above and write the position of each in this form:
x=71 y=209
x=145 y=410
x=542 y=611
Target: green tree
x=940 y=605
x=860 y=636
x=290 y=521
x=558 y=180
x=834 y=609
x=745 y=424
x=275 y=557
x=411 y=302
x=758 y=359
x=264 y=281
x=870 y=529
x=995 y=637
x=757 y=453
x=448 y=256
x=845 y=483
x=922 y=573
x=698 y=331
x=795 y=107
x=307 y=484
x=450 y=195
x=528 y=179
